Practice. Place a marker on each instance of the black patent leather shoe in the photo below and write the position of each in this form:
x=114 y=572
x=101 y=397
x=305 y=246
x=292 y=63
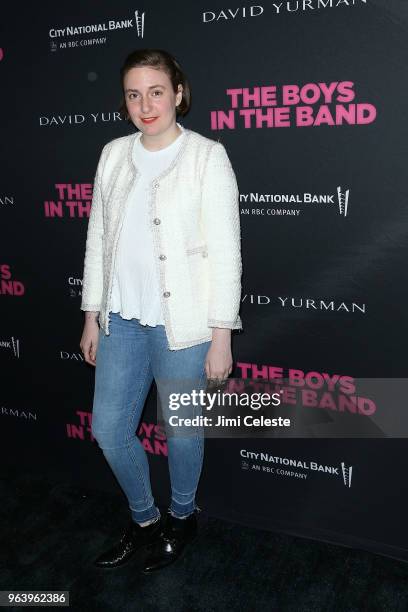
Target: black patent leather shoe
x=176 y=534
x=133 y=539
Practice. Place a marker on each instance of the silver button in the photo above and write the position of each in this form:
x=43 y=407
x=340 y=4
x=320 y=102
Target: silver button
x=156 y=221
x=162 y=257
x=166 y=294
x=155 y=184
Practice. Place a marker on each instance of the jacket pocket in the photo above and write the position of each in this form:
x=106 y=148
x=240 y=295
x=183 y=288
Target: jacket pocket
x=199 y=249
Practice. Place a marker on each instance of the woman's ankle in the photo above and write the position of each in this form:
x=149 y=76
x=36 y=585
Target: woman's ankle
x=150 y=522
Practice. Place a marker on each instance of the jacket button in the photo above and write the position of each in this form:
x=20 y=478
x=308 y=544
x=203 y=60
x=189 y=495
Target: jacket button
x=162 y=257
x=156 y=221
x=155 y=184
x=166 y=294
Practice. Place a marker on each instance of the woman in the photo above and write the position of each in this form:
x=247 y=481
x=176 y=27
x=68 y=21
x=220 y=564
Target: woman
x=162 y=277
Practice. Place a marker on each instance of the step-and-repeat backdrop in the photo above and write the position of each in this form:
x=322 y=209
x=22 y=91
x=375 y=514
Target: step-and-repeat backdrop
x=309 y=99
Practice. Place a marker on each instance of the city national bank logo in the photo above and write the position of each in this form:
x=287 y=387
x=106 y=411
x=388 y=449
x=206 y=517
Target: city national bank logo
x=293 y=204
x=75 y=287
x=93 y=34
x=342 y=200
x=12 y=345
x=347 y=473
x=292 y=468
x=278 y=8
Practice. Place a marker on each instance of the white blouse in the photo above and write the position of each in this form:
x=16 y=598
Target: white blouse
x=135 y=291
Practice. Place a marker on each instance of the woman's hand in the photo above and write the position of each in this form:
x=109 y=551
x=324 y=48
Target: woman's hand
x=90 y=336
x=218 y=362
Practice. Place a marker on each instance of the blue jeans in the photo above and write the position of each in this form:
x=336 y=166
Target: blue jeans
x=127 y=361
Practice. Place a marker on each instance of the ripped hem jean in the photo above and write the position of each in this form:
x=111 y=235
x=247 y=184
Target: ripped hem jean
x=127 y=362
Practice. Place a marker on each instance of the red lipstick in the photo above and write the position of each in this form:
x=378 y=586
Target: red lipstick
x=149 y=120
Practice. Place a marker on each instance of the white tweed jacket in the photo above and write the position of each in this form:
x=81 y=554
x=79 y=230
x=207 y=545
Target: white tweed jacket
x=195 y=223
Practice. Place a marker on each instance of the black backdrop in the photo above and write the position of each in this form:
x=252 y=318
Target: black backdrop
x=324 y=283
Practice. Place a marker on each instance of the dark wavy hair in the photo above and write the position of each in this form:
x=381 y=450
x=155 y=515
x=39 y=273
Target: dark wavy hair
x=160 y=60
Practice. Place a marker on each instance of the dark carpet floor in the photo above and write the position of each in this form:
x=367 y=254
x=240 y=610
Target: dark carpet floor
x=50 y=534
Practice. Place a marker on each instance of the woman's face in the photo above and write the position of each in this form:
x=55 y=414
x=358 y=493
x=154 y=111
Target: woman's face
x=149 y=95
